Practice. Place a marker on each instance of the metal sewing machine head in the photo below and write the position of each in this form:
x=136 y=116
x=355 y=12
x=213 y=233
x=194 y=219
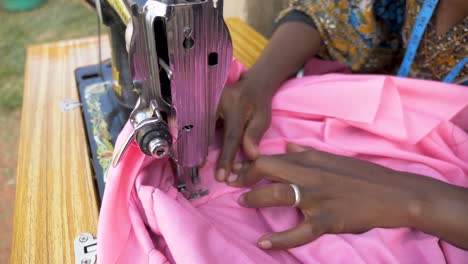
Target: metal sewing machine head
x=179 y=55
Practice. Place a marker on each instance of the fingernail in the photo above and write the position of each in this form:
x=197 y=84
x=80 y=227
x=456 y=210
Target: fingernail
x=241 y=200
x=221 y=174
x=233 y=178
x=265 y=244
x=237 y=167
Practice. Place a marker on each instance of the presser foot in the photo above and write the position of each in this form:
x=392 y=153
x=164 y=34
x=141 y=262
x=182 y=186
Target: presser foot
x=194 y=195
x=189 y=183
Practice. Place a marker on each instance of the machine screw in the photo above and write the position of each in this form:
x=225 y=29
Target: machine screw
x=188 y=32
x=188 y=128
x=86 y=261
x=83 y=239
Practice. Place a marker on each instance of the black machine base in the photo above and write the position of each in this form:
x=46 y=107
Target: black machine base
x=104 y=116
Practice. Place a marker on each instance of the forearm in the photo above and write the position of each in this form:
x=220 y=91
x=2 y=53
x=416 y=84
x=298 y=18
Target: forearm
x=291 y=45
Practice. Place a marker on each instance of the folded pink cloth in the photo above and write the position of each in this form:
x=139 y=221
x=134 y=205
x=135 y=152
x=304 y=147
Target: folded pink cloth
x=404 y=124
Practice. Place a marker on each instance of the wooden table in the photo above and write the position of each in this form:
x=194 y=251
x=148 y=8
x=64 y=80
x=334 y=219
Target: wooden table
x=56 y=198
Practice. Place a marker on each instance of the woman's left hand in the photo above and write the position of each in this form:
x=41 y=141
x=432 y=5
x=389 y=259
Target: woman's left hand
x=337 y=194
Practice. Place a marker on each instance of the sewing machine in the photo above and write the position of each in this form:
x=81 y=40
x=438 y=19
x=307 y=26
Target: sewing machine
x=65 y=126
x=177 y=62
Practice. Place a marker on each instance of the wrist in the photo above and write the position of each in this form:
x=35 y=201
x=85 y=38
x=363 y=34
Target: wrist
x=416 y=201
x=403 y=202
x=442 y=204
x=433 y=203
x=261 y=82
x=429 y=205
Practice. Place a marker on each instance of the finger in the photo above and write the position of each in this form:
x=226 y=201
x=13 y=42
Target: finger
x=254 y=132
x=297 y=236
x=283 y=168
x=251 y=172
x=313 y=158
x=301 y=155
x=288 y=168
x=241 y=177
x=272 y=195
x=234 y=124
x=329 y=162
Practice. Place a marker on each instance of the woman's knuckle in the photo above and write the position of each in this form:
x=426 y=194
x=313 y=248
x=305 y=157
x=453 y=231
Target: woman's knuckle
x=310 y=228
x=280 y=193
x=259 y=163
x=231 y=136
x=312 y=154
x=336 y=226
x=264 y=162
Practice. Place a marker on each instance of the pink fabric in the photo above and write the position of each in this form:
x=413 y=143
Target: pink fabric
x=403 y=124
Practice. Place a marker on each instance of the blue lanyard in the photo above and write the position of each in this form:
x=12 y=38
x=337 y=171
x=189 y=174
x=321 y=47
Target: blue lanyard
x=416 y=35
x=450 y=78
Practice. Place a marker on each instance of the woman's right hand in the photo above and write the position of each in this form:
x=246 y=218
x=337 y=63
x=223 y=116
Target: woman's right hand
x=245 y=108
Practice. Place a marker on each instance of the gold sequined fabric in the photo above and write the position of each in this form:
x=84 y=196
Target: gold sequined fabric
x=356 y=36
x=437 y=55
x=351 y=33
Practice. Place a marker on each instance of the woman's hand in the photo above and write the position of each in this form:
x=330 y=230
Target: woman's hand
x=245 y=108
x=345 y=195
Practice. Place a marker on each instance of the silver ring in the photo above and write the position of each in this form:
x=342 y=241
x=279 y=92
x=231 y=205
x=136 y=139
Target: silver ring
x=297 y=195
